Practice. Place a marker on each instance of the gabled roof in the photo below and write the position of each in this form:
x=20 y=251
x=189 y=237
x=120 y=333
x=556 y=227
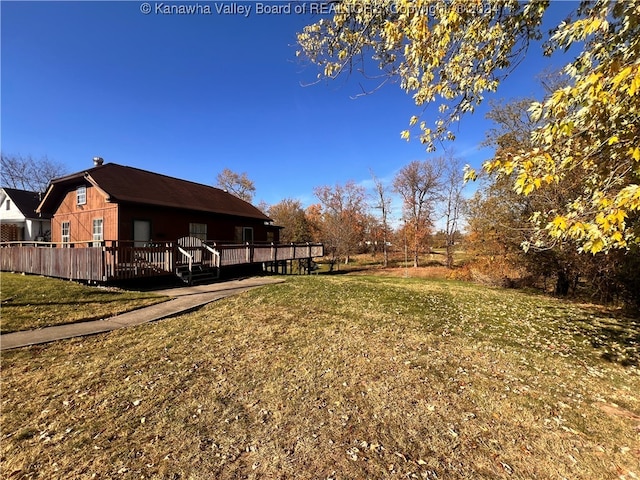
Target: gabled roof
x=122 y=184
x=25 y=201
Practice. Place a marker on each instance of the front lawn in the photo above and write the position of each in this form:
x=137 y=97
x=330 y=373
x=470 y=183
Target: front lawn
x=335 y=377
x=31 y=301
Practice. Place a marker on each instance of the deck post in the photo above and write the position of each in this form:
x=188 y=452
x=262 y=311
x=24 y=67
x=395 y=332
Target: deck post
x=104 y=260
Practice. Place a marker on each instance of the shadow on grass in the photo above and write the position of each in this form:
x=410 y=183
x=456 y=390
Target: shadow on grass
x=10 y=303
x=617 y=339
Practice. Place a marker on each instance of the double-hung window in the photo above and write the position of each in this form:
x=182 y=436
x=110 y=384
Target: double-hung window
x=81 y=195
x=198 y=230
x=65 y=229
x=98 y=235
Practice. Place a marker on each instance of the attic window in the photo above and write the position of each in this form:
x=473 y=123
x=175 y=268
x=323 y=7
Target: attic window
x=8 y=203
x=81 y=195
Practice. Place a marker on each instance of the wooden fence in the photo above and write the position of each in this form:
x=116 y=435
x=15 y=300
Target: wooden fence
x=71 y=263
x=122 y=260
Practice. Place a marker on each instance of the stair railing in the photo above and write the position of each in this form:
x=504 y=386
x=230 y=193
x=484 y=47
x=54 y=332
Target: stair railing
x=190 y=262
x=215 y=253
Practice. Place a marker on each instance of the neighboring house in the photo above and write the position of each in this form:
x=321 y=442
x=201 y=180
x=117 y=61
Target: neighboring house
x=18 y=218
x=126 y=204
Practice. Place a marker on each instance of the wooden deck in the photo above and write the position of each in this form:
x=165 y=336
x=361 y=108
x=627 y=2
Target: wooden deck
x=112 y=261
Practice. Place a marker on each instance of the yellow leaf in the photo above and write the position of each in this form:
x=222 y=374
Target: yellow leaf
x=624 y=73
x=405 y=134
x=520 y=183
x=613 y=140
x=560 y=223
x=635 y=84
x=577 y=230
x=596 y=246
x=469 y=174
x=620 y=216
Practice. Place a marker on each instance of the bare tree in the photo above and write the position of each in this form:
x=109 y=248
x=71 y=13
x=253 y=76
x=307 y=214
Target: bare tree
x=419 y=185
x=238 y=184
x=27 y=173
x=383 y=203
x=453 y=202
x=342 y=218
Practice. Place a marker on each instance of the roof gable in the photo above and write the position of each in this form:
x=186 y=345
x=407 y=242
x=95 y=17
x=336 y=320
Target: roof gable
x=25 y=201
x=123 y=184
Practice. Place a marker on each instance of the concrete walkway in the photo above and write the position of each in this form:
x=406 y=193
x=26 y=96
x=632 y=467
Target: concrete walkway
x=183 y=299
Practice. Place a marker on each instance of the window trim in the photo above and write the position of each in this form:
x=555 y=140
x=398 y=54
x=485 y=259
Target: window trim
x=81 y=195
x=198 y=232
x=97 y=241
x=62 y=234
x=244 y=234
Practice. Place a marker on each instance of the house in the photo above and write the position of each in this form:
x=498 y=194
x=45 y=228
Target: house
x=111 y=202
x=123 y=223
x=18 y=218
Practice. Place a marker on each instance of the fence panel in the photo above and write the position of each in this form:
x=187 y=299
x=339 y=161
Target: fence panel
x=71 y=263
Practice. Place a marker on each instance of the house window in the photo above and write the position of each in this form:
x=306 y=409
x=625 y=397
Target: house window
x=8 y=204
x=66 y=230
x=141 y=233
x=247 y=234
x=81 y=195
x=198 y=230
x=97 y=232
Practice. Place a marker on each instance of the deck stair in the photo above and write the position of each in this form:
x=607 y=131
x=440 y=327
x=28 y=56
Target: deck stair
x=199 y=274
x=197 y=261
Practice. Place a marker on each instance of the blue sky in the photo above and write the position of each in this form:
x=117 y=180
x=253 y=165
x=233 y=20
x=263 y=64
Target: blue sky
x=188 y=95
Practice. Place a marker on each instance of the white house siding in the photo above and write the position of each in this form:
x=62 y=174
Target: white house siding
x=15 y=226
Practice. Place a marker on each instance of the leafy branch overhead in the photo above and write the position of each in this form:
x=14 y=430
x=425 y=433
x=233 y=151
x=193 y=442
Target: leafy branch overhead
x=451 y=52
x=455 y=52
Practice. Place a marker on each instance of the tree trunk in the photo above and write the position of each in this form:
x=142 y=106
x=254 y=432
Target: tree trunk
x=562 y=283
x=449 y=255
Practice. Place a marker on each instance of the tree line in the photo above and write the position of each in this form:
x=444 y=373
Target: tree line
x=478 y=237
x=563 y=188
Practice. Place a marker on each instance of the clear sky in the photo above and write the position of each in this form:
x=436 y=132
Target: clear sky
x=188 y=95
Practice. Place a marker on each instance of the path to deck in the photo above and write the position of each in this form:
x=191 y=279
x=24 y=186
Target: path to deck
x=183 y=300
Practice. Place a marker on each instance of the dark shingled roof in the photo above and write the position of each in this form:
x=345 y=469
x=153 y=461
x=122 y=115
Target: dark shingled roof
x=132 y=185
x=27 y=202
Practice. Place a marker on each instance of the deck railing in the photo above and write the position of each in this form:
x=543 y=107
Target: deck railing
x=111 y=260
x=125 y=260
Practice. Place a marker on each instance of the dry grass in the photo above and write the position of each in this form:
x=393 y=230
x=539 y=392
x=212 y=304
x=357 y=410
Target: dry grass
x=334 y=377
x=30 y=301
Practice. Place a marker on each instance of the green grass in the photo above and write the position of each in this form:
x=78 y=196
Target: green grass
x=30 y=302
x=335 y=377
